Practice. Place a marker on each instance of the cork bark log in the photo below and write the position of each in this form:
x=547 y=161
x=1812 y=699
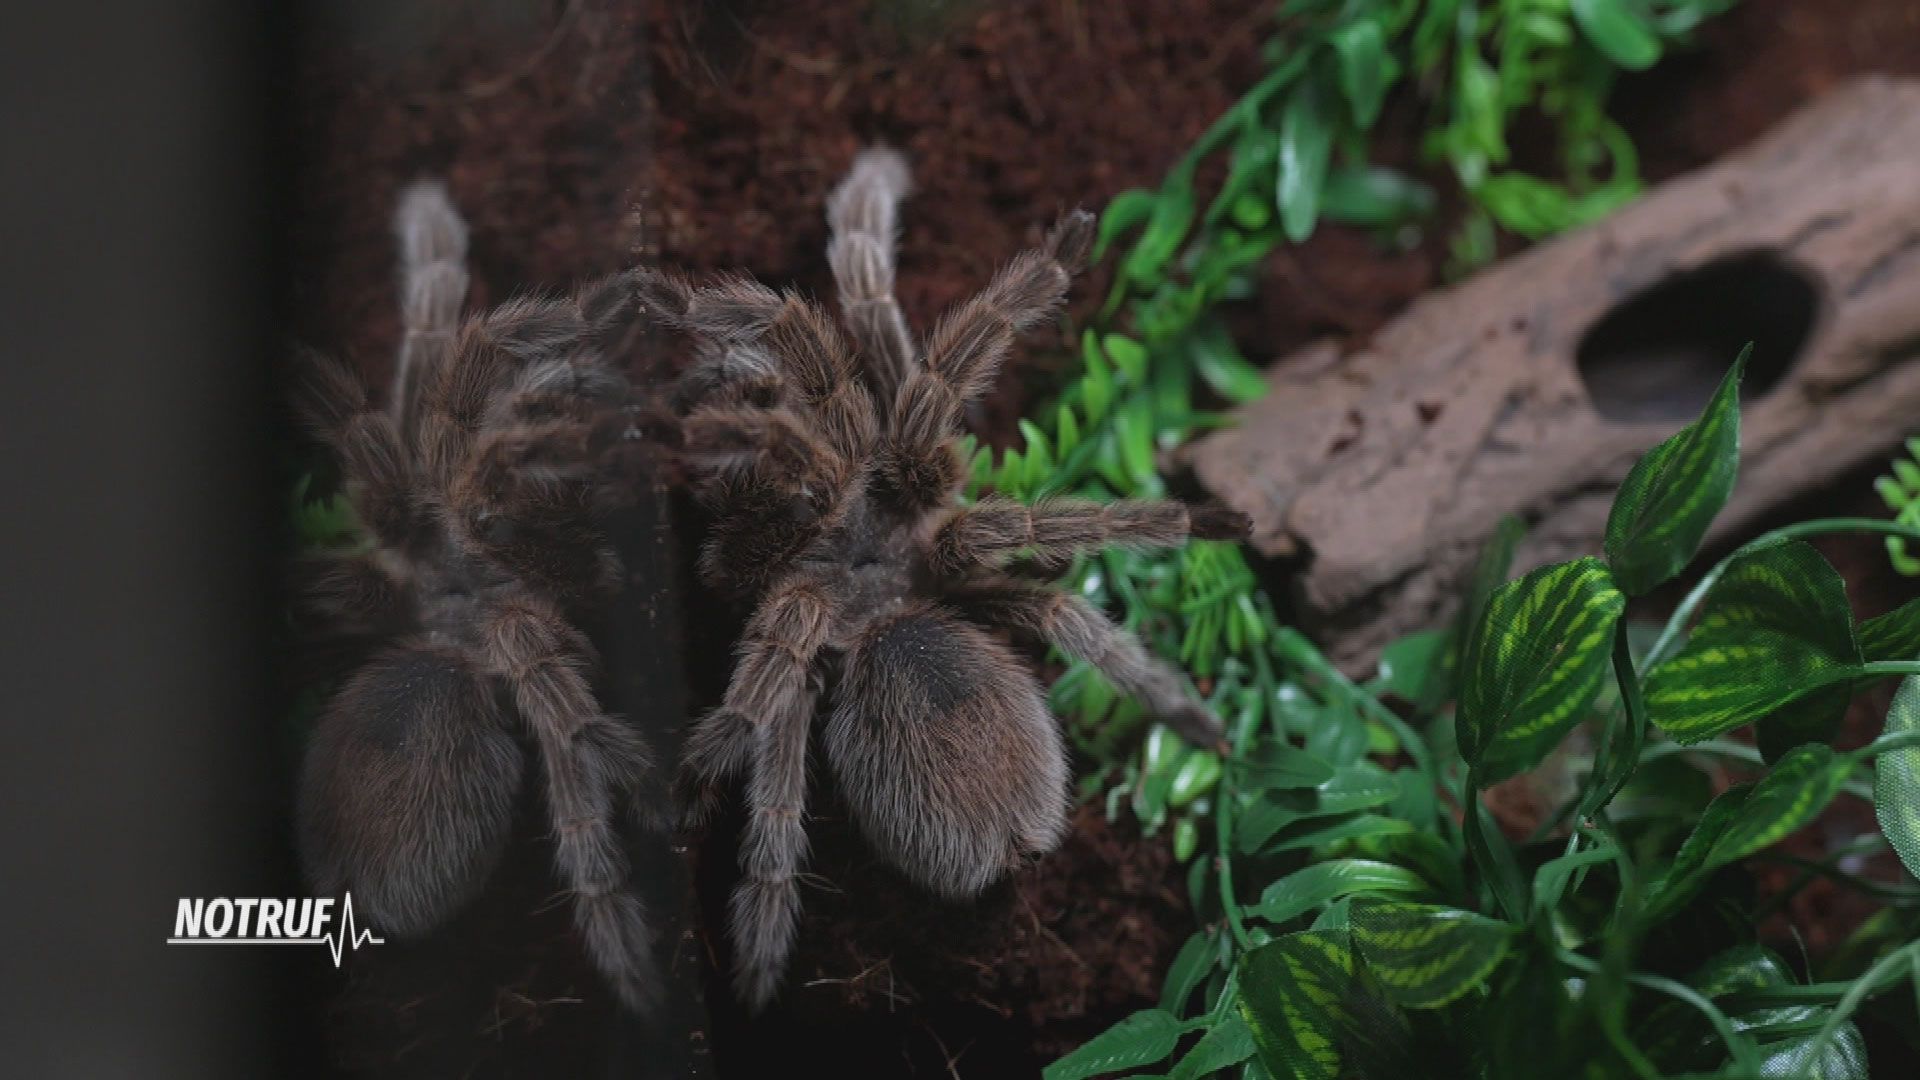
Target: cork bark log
x=1531 y=388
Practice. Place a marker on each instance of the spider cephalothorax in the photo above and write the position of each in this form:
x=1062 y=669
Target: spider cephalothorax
x=836 y=504
x=483 y=485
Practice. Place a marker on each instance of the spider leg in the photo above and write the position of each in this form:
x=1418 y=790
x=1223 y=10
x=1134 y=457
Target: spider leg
x=532 y=497
x=964 y=355
x=350 y=593
x=762 y=725
x=863 y=218
x=525 y=358
x=991 y=531
x=1082 y=631
x=815 y=360
x=433 y=283
x=588 y=766
x=729 y=373
x=333 y=405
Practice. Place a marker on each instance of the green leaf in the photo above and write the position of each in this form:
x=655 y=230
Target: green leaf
x=1309 y=887
x=1845 y=1056
x=1224 y=369
x=1411 y=666
x=1167 y=226
x=1066 y=431
x=1189 y=968
x=1534 y=663
x=1893 y=636
x=1747 y=818
x=1619 y=29
x=1316 y=1014
x=1128 y=355
x=1356 y=787
x=1662 y=511
x=1677 y=1036
x=1196 y=777
x=1096 y=386
x=1275 y=765
x=1306 y=147
x=1141 y=1039
x=1550 y=880
x=1774 y=628
x=1494 y=858
x=1896 y=779
x=1229 y=1043
x=1423 y=955
x=1367 y=69
x=1361 y=827
x=1127 y=210
x=1789 y=797
x=1689 y=866
x=1374 y=198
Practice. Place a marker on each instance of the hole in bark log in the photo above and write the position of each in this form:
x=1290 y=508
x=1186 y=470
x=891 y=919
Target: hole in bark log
x=1659 y=354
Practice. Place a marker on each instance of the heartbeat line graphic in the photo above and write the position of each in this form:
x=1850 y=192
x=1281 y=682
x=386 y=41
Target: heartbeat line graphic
x=349 y=935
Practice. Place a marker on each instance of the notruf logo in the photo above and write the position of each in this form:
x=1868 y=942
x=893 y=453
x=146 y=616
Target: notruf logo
x=253 y=920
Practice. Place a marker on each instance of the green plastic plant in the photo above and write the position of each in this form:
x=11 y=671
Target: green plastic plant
x=1362 y=920
x=1901 y=491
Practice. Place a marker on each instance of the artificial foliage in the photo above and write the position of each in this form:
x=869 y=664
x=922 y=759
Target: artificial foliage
x=1363 y=915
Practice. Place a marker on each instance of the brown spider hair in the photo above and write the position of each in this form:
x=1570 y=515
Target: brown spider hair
x=483 y=486
x=843 y=518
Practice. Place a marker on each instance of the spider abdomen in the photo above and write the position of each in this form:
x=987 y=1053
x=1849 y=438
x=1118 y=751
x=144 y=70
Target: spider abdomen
x=945 y=751
x=408 y=788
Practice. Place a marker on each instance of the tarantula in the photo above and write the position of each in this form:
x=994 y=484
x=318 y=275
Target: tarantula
x=483 y=486
x=843 y=516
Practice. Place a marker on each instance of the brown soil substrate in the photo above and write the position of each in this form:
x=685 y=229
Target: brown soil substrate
x=725 y=124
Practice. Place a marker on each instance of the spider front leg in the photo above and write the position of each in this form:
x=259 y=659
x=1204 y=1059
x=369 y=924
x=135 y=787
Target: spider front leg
x=433 y=284
x=990 y=532
x=762 y=724
x=863 y=218
x=350 y=593
x=590 y=762
x=524 y=359
x=1082 y=631
x=802 y=339
x=963 y=357
x=333 y=405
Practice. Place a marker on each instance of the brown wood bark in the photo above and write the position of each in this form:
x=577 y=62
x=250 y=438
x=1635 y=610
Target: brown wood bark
x=1380 y=470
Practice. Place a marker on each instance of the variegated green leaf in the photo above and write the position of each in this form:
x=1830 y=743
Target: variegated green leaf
x=1662 y=511
x=1534 y=663
x=1896 y=779
x=1314 y=1011
x=1774 y=629
x=1141 y=1039
x=1747 y=818
x=1675 y=1034
x=1689 y=866
x=1423 y=955
x=1786 y=799
x=1845 y=1056
x=1893 y=636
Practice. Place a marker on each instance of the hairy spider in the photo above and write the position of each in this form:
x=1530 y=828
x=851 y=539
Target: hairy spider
x=483 y=486
x=843 y=517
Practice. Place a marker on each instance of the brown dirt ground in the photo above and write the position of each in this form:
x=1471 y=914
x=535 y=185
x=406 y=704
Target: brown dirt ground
x=724 y=124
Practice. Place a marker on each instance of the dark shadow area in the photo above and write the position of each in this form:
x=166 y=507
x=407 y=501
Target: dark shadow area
x=1659 y=354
